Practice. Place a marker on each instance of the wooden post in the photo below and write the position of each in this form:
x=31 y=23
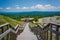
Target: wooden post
x=7 y=34
x=11 y=36
x=47 y=35
x=57 y=29
x=51 y=32
x=2 y=31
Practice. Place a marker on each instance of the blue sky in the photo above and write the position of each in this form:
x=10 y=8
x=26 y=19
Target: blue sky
x=29 y=5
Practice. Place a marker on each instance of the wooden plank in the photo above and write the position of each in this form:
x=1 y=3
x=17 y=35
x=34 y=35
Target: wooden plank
x=4 y=25
x=8 y=31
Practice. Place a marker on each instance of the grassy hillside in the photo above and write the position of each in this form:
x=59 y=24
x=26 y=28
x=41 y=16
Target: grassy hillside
x=5 y=19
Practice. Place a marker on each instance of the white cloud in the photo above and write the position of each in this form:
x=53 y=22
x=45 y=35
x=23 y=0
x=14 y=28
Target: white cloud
x=32 y=7
x=17 y=7
x=25 y=7
x=38 y=7
x=48 y=6
x=1 y=8
x=8 y=8
x=44 y=7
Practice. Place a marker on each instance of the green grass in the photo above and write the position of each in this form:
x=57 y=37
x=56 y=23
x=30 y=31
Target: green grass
x=35 y=24
x=32 y=24
x=5 y=19
x=58 y=18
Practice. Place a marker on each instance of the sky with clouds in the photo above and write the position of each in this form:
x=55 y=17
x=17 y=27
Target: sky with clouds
x=29 y=5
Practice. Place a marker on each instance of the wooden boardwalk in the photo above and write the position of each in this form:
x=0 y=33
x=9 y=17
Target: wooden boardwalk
x=49 y=32
x=27 y=34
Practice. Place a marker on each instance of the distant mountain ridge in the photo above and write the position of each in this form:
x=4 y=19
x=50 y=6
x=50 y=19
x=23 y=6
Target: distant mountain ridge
x=30 y=13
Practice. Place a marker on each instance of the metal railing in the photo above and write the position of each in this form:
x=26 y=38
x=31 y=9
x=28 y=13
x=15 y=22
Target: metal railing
x=49 y=32
x=7 y=32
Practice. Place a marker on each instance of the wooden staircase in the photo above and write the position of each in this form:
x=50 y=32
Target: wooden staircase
x=8 y=32
x=49 y=32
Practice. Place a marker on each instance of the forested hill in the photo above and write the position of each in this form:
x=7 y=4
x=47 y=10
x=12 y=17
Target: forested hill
x=18 y=15
x=30 y=13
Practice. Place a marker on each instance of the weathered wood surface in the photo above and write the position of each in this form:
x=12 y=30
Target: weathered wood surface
x=43 y=32
x=27 y=34
x=48 y=27
x=10 y=29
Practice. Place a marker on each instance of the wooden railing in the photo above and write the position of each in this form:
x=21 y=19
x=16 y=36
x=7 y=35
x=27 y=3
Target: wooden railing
x=49 y=32
x=7 y=32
